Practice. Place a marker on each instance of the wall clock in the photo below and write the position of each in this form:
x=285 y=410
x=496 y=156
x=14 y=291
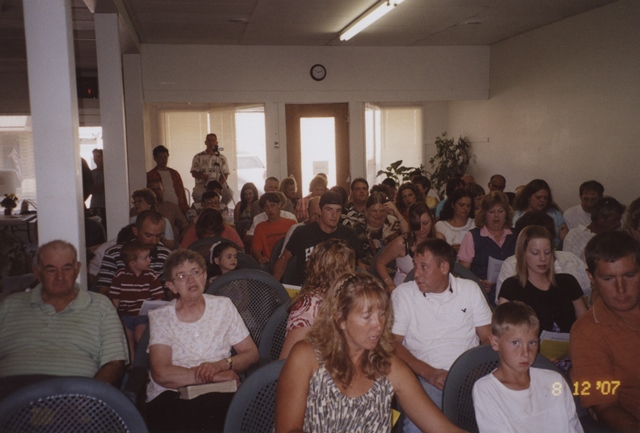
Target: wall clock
x=318 y=72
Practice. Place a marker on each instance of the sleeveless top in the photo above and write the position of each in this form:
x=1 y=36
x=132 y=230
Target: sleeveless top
x=404 y=264
x=486 y=247
x=330 y=411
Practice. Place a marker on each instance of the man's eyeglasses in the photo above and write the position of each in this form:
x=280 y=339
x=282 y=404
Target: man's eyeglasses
x=182 y=278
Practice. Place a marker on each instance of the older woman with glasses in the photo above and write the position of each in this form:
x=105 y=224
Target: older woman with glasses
x=190 y=343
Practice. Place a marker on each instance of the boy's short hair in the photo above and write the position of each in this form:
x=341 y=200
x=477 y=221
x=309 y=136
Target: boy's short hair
x=270 y=197
x=130 y=251
x=512 y=314
x=208 y=194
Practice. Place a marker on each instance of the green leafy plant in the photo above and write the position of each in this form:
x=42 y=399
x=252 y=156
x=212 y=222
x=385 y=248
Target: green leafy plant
x=452 y=158
x=400 y=173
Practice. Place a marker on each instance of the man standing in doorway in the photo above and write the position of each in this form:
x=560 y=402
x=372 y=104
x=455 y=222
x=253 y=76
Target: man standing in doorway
x=208 y=165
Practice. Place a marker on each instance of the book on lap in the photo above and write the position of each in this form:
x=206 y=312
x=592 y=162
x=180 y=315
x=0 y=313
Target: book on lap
x=190 y=392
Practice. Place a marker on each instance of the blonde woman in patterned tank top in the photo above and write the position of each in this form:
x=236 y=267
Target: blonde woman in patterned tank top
x=343 y=376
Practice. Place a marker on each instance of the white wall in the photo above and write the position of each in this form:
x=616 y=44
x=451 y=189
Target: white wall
x=564 y=106
x=198 y=73
x=279 y=75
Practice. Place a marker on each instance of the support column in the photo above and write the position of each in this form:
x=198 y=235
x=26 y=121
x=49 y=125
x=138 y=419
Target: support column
x=137 y=151
x=110 y=82
x=54 y=112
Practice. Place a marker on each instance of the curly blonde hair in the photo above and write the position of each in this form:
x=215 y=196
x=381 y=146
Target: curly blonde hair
x=328 y=260
x=352 y=292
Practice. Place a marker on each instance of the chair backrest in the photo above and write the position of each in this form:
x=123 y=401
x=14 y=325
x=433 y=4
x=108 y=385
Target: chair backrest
x=252 y=409
x=245 y=261
x=255 y=294
x=273 y=334
x=288 y=277
x=275 y=253
x=69 y=404
x=462 y=272
x=457 y=402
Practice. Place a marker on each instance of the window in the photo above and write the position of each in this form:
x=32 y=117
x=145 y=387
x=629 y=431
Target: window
x=392 y=133
x=241 y=137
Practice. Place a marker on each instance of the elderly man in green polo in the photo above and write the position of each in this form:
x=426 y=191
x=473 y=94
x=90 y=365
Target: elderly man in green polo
x=59 y=328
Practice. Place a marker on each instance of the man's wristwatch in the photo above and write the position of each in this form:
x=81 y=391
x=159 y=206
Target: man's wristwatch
x=230 y=362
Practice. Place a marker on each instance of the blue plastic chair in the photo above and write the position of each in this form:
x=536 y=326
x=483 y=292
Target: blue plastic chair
x=252 y=409
x=69 y=404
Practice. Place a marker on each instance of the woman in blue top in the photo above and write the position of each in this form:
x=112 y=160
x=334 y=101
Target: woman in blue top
x=536 y=195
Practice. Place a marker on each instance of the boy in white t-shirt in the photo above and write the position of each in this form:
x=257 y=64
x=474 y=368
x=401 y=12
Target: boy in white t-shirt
x=514 y=397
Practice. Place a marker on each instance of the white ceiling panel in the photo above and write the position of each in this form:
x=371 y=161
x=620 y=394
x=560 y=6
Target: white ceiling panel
x=304 y=22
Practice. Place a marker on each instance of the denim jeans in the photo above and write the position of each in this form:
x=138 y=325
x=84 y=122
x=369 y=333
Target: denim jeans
x=434 y=394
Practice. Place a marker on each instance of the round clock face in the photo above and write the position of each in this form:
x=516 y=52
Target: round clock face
x=318 y=72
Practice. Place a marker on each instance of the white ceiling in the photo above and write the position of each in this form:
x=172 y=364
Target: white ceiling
x=299 y=22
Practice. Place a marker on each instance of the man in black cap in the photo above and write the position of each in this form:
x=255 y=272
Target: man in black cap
x=305 y=238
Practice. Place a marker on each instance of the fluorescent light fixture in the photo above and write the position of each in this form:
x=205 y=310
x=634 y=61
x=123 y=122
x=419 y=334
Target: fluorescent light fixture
x=368 y=18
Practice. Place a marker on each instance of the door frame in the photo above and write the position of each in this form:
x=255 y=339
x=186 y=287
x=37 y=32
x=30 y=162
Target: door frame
x=340 y=112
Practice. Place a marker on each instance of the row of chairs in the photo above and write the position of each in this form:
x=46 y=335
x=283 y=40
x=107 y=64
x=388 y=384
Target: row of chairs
x=253 y=407
x=81 y=404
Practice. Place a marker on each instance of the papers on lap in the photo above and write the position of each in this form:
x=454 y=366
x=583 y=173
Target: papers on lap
x=190 y=392
x=150 y=304
x=554 y=345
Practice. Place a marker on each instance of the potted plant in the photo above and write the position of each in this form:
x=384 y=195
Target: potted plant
x=9 y=202
x=399 y=172
x=452 y=158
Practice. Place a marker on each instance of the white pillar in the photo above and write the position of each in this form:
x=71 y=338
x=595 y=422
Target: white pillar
x=110 y=82
x=137 y=152
x=54 y=112
x=357 y=141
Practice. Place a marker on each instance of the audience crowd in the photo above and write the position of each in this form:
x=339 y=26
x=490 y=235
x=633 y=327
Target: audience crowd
x=394 y=285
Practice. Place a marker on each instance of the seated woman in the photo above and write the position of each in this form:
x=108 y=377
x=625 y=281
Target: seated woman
x=344 y=376
x=328 y=261
x=491 y=240
x=289 y=187
x=476 y=192
x=407 y=195
x=145 y=199
x=317 y=187
x=402 y=248
x=242 y=212
x=190 y=343
x=557 y=299
x=378 y=229
x=210 y=224
x=536 y=195
x=454 y=220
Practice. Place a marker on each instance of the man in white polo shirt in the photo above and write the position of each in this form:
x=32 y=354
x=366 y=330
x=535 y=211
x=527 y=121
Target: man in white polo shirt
x=437 y=317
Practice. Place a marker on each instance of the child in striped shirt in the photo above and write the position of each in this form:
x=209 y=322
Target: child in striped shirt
x=130 y=287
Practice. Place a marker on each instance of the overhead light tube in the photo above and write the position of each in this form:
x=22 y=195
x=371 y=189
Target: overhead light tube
x=368 y=18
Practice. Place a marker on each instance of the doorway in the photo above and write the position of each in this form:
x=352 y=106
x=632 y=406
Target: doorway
x=318 y=142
